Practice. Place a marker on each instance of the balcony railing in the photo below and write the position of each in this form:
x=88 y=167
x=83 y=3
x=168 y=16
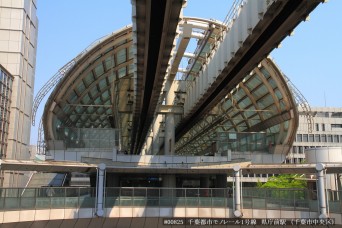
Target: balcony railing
x=80 y=197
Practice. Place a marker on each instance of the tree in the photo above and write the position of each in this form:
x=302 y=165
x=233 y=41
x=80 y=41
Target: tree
x=284 y=181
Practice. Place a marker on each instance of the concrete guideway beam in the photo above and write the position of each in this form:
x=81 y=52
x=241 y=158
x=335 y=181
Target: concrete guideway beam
x=154 y=26
x=181 y=47
x=258 y=29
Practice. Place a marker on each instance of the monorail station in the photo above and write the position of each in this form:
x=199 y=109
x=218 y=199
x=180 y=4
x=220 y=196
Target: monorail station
x=129 y=138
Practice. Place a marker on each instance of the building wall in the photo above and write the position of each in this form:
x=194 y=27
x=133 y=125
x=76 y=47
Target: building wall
x=6 y=81
x=326 y=132
x=18 y=43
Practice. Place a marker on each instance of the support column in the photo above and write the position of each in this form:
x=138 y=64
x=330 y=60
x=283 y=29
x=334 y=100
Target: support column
x=155 y=140
x=149 y=144
x=169 y=134
x=169 y=143
x=321 y=190
x=338 y=188
x=101 y=169
x=115 y=153
x=169 y=185
x=237 y=196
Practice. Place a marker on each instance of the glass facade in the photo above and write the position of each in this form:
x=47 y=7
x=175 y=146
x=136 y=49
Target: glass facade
x=99 y=96
x=245 y=111
x=100 y=93
x=89 y=137
x=6 y=81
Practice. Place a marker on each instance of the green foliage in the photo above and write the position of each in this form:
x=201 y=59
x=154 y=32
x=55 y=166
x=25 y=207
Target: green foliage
x=259 y=184
x=284 y=181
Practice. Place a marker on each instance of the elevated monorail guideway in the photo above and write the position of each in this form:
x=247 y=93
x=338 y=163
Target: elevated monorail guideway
x=254 y=33
x=150 y=60
x=154 y=27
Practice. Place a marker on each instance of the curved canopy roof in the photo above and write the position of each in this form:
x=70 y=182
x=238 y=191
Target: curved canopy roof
x=84 y=97
x=98 y=93
x=260 y=111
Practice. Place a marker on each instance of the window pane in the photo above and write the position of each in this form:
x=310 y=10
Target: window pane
x=122 y=72
x=89 y=79
x=336 y=139
x=311 y=138
x=109 y=62
x=265 y=101
x=99 y=70
x=261 y=91
x=265 y=72
x=121 y=56
x=80 y=87
x=255 y=81
x=299 y=138
x=102 y=84
x=324 y=138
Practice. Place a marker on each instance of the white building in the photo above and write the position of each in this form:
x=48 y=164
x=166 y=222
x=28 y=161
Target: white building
x=326 y=131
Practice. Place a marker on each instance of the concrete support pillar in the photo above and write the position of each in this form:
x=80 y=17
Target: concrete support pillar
x=237 y=196
x=169 y=134
x=321 y=190
x=149 y=144
x=115 y=153
x=143 y=151
x=169 y=143
x=100 y=185
x=338 y=188
x=155 y=140
x=169 y=185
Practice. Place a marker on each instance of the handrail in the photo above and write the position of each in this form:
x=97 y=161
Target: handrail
x=54 y=80
x=233 y=11
x=84 y=197
x=300 y=100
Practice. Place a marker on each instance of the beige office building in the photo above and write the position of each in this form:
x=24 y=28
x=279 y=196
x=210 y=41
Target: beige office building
x=18 y=44
x=325 y=131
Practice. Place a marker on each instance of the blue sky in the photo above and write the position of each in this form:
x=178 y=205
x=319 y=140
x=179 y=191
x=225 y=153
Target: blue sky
x=311 y=58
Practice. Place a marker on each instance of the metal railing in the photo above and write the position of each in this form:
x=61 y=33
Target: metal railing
x=46 y=198
x=84 y=197
x=280 y=199
x=233 y=12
